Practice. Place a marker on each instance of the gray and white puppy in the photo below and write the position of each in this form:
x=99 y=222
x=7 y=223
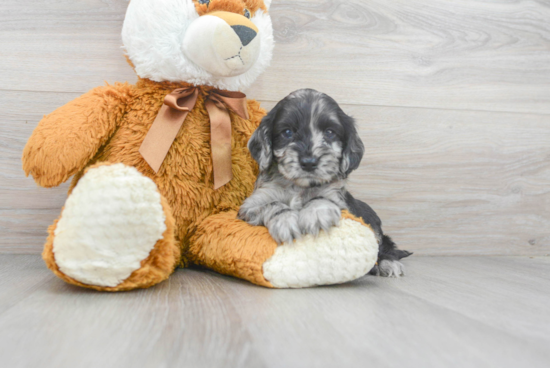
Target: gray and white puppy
x=306 y=147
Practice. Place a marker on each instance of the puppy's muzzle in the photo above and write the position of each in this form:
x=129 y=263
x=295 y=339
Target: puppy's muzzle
x=309 y=163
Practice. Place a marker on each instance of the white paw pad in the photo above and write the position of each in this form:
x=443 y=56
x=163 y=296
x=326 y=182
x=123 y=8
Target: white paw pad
x=344 y=253
x=110 y=223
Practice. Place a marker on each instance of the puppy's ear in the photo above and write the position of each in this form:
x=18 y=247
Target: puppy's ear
x=353 y=146
x=260 y=145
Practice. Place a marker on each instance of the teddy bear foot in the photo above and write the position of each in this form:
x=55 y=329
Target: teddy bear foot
x=343 y=253
x=116 y=232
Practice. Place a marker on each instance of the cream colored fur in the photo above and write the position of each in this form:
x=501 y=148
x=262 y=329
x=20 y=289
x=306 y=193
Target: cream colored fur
x=211 y=43
x=110 y=223
x=153 y=37
x=344 y=253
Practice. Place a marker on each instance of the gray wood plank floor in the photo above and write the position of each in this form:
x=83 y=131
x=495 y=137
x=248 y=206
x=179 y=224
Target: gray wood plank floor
x=447 y=312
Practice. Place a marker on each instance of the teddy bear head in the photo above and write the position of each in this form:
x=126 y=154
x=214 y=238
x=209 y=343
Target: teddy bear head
x=226 y=44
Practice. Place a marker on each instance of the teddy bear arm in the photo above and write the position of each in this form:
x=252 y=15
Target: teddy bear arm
x=232 y=247
x=68 y=138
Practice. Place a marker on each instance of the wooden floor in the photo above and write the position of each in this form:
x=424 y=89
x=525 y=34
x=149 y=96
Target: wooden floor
x=447 y=312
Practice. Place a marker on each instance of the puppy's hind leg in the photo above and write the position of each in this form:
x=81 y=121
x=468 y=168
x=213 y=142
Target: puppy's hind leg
x=388 y=264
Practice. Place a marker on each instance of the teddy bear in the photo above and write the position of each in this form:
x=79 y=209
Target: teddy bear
x=161 y=167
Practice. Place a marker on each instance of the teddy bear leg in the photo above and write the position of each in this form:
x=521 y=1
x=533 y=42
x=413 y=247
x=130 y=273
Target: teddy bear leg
x=233 y=247
x=116 y=232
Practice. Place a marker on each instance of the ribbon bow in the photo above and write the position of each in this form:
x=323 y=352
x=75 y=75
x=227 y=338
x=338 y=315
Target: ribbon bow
x=171 y=116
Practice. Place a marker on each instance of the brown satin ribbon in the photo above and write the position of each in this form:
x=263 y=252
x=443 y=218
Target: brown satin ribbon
x=171 y=116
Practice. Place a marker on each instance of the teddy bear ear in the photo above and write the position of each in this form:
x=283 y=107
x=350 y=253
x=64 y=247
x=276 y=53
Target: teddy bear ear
x=267 y=4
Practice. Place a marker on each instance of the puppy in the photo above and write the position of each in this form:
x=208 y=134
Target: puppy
x=306 y=147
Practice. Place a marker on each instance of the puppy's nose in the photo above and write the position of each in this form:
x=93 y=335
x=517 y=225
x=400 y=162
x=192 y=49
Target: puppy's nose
x=246 y=34
x=308 y=163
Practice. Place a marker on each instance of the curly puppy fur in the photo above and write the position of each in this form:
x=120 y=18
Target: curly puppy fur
x=306 y=147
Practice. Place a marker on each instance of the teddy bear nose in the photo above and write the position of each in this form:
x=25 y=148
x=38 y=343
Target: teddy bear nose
x=246 y=34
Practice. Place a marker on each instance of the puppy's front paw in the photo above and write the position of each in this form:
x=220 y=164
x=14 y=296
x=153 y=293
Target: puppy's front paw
x=388 y=268
x=318 y=215
x=284 y=227
x=250 y=214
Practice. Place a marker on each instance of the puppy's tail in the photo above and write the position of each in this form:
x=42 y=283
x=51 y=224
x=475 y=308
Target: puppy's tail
x=389 y=248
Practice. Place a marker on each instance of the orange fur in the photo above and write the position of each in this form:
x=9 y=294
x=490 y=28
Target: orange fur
x=109 y=123
x=233 y=247
x=233 y=6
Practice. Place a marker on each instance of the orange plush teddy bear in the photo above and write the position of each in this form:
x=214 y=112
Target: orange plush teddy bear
x=161 y=167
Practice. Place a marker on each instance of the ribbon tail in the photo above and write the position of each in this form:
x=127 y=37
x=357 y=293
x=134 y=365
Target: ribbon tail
x=161 y=135
x=220 y=142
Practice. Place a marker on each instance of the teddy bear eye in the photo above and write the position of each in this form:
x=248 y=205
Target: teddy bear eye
x=247 y=13
x=207 y=2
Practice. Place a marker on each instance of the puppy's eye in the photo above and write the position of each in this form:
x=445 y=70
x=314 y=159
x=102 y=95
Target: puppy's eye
x=287 y=134
x=207 y=2
x=329 y=133
x=247 y=13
